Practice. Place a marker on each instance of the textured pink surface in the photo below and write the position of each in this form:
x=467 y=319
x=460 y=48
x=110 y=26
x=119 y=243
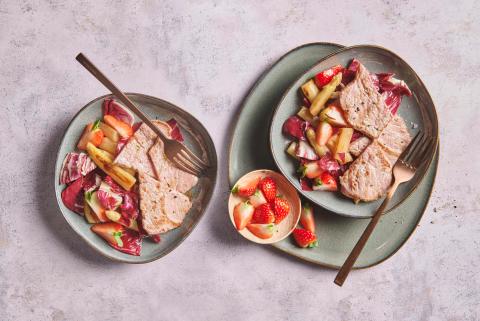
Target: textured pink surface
x=205 y=56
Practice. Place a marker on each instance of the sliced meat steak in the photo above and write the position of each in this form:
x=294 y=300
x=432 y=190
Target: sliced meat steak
x=363 y=105
x=162 y=209
x=167 y=173
x=370 y=175
x=359 y=145
x=395 y=137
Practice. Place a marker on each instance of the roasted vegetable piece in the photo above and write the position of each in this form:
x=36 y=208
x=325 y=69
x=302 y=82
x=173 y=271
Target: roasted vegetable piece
x=304 y=113
x=332 y=143
x=90 y=216
x=109 y=132
x=91 y=199
x=312 y=139
x=310 y=90
x=324 y=95
x=108 y=145
x=344 y=138
x=104 y=161
x=93 y=134
x=291 y=150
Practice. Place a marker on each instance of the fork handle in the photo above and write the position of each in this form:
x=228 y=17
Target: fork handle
x=352 y=258
x=85 y=62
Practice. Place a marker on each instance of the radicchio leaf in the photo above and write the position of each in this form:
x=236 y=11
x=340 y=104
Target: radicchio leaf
x=108 y=198
x=295 y=127
x=117 y=110
x=72 y=196
x=129 y=207
x=306 y=184
x=175 y=133
x=305 y=151
x=74 y=166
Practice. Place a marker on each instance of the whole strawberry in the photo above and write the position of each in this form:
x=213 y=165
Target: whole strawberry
x=304 y=238
x=281 y=208
x=246 y=189
x=269 y=188
x=263 y=214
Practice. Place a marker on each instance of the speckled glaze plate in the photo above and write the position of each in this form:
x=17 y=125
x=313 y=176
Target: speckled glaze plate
x=418 y=112
x=337 y=234
x=196 y=138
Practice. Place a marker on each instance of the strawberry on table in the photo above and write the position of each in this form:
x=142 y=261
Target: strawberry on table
x=325 y=182
x=306 y=218
x=263 y=214
x=242 y=214
x=281 y=208
x=119 y=237
x=263 y=231
x=305 y=238
x=268 y=187
x=257 y=198
x=246 y=189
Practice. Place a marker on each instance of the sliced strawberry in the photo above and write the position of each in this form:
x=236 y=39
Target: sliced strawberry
x=324 y=77
x=119 y=237
x=263 y=231
x=268 y=187
x=310 y=169
x=91 y=134
x=323 y=133
x=124 y=129
x=263 y=214
x=281 y=208
x=305 y=238
x=257 y=198
x=306 y=218
x=333 y=114
x=326 y=182
x=246 y=189
x=242 y=214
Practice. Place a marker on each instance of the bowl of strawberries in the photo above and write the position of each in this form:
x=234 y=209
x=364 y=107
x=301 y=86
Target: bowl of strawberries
x=264 y=207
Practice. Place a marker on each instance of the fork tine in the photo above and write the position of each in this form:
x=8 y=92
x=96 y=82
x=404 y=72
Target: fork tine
x=423 y=153
x=183 y=167
x=190 y=163
x=196 y=158
x=412 y=148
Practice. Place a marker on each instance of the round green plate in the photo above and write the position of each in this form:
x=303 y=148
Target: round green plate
x=249 y=150
x=196 y=138
x=418 y=109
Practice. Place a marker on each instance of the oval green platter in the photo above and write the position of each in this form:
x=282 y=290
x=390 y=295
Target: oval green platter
x=196 y=138
x=336 y=234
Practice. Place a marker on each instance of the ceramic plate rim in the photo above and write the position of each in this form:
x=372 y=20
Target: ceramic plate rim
x=287 y=91
x=194 y=224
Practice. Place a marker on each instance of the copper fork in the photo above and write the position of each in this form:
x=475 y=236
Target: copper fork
x=404 y=170
x=175 y=151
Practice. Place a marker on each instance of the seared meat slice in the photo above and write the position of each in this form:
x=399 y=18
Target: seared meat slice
x=167 y=173
x=395 y=137
x=161 y=209
x=359 y=145
x=370 y=175
x=364 y=106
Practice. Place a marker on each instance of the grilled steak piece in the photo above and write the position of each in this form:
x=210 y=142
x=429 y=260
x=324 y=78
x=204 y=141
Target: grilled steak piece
x=161 y=209
x=363 y=105
x=167 y=173
x=359 y=145
x=370 y=175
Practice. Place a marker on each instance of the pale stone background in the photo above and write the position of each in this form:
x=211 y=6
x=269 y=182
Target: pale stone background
x=205 y=56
